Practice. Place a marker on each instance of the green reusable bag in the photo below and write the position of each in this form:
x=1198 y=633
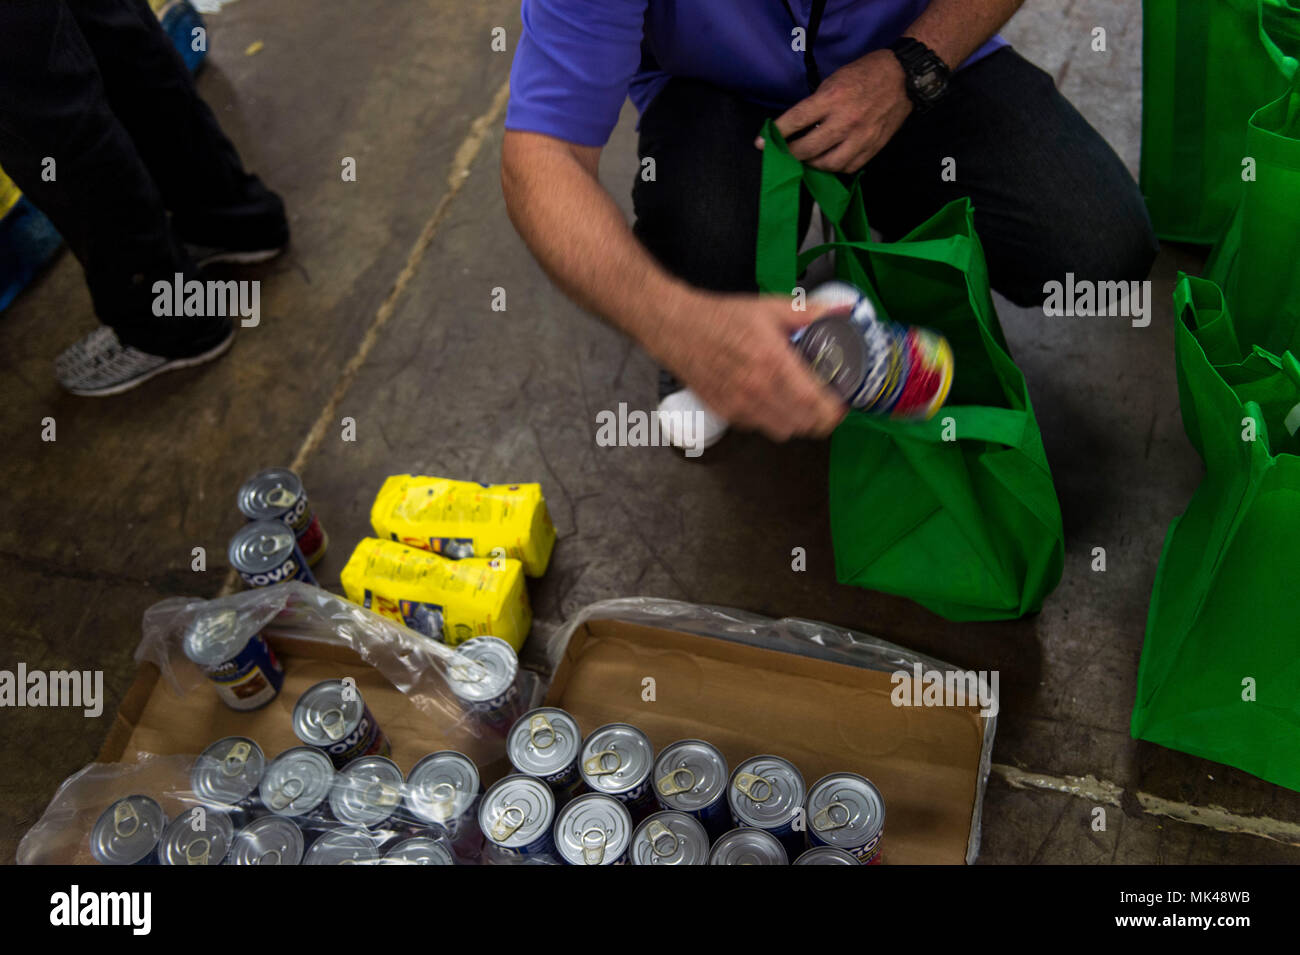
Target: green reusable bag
x=1257 y=262
x=1207 y=65
x=1224 y=609
x=958 y=513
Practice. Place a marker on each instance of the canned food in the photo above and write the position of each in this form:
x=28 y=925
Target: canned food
x=197 y=836
x=545 y=743
x=345 y=846
x=242 y=667
x=297 y=784
x=366 y=792
x=485 y=678
x=617 y=760
x=277 y=494
x=748 y=847
x=516 y=815
x=266 y=553
x=228 y=772
x=593 y=830
x=825 y=855
x=332 y=717
x=670 y=838
x=767 y=792
x=420 y=850
x=270 y=840
x=128 y=832
x=442 y=790
x=691 y=777
x=846 y=810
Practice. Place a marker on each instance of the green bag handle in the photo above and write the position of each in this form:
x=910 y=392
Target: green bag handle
x=1282 y=11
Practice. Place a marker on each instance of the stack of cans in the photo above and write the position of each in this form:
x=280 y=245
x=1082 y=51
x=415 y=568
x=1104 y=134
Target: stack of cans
x=283 y=536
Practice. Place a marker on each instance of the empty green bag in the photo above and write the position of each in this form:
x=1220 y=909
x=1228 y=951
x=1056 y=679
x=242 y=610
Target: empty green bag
x=1207 y=65
x=958 y=513
x=1220 y=671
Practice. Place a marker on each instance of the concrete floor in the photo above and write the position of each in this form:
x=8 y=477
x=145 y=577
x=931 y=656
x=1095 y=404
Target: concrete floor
x=100 y=523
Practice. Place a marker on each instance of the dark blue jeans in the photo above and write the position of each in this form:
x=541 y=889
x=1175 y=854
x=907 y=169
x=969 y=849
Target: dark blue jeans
x=1050 y=195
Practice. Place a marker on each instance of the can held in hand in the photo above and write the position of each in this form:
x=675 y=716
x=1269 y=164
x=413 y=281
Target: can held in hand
x=617 y=760
x=228 y=772
x=593 y=830
x=333 y=717
x=420 y=850
x=825 y=855
x=442 y=792
x=128 y=832
x=516 y=815
x=277 y=494
x=846 y=811
x=767 y=792
x=748 y=846
x=690 y=776
x=198 y=836
x=242 y=667
x=297 y=784
x=346 y=846
x=669 y=838
x=266 y=553
x=366 y=792
x=270 y=840
x=545 y=743
x=485 y=678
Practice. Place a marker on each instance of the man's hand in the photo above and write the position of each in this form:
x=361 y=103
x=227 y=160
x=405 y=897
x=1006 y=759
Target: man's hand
x=855 y=111
x=734 y=351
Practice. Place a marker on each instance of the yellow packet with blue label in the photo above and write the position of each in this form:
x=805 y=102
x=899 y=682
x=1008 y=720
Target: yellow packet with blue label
x=449 y=600
x=460 y=519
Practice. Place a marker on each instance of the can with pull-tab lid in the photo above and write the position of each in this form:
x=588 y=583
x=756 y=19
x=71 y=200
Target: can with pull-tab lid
x=767 y=792
x=617 y=760
x=420 y=850
x=825 y=855
x=669 y=838
x=128 y=832
x=345 y=846
x=593 y=830
x=198 y=836
x=516 y=815
x=270 y=840
x=442 y=792
x=485 y=678
x=277 y=494
x=748 y=846
x=333 y=717
x=227 y=775
x=367 y=792
x=545 y=743
x=690 y=776
x=846 y=811
x=266 y=553
x=297 y=784
x=242 y=666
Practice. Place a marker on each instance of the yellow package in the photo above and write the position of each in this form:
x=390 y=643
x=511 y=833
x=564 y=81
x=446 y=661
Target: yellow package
x=450 y=600
x=466 y=519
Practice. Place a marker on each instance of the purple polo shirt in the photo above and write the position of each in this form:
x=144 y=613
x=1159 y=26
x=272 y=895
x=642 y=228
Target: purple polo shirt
x=578 y=59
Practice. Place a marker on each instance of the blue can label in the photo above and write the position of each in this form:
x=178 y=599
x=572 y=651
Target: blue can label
x=294 y=568
x=366 y=740
x=250 y=679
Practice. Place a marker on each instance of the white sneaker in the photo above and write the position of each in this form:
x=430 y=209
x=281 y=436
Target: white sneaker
x=687 y=423
x=100 y=365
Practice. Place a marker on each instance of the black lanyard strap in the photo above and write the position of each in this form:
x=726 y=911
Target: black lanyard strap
x=810 y=38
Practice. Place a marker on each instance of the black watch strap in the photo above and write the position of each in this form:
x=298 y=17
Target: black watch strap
x=926 y=74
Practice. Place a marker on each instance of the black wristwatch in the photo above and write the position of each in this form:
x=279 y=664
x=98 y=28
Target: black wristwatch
x=926 y=74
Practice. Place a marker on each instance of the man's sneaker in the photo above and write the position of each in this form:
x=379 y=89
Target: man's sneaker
x=205 y=255
x=688 y=423
x=99 y=364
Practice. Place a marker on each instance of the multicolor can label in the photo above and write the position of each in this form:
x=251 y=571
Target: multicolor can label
x=266 y=553
x=333 y=717
x=244 y=670
x=846 y=810
x=277 y=494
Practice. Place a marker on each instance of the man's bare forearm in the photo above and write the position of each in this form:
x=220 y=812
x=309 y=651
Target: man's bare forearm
x=579 y=236
x=955 y=29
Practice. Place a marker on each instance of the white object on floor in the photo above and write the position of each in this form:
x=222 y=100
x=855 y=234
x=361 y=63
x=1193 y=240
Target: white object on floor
x=687 y=423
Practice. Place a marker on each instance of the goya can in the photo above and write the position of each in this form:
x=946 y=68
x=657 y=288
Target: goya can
x=420 y=850
x=242 y=667
x=846 y=810
x=593 y=830
x=345 y=846
x=128 y=832
x=266 y=553
x=443 y=791
x=228 y=773
x=690 y=776
x=297 y=784
x=767 y=792
x=485 y=678
x=270 y=840
x=748 y=846
x=366 y=792
x=617 y=760
x=277 y=494
x=669 y=838
x=545 y=743
x=333 y=717
x=825 y=855
x=516 y=816
x=197 y=836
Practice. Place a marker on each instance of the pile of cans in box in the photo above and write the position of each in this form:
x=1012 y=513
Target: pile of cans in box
x=603 y=799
